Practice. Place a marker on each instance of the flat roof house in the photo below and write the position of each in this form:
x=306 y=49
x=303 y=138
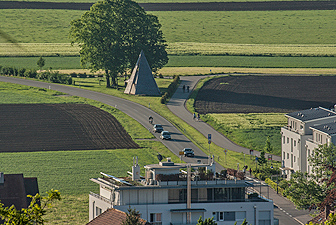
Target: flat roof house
x=305 y=130
x=170 y=195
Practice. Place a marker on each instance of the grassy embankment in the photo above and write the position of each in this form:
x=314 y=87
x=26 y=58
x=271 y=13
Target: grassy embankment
x=215 y=35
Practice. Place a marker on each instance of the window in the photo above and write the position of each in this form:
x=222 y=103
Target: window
x=221 y=216
x=294 y=143
x=264 y=217
x=229 y=216
x=284 y=139
x=294 y=158
x=284 y=155
x=240 y=215
x=98 y=211
x=155 y=217
x=214 y=216
x=287 y=140
x=301 y=127
x=287 y=155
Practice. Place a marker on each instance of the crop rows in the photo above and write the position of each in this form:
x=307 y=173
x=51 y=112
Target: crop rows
x=178 y=48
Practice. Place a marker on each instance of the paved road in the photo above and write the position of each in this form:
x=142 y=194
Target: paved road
x=285 y=210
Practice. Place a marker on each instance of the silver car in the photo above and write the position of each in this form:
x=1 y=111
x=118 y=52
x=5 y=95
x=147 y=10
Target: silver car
x=165 y=135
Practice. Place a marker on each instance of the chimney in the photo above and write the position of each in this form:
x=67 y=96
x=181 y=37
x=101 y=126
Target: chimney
x=135 y=170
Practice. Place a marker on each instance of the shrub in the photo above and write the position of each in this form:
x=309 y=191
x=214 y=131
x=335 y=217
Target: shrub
x=30 y=73
x=170 y=90
x=274 y=185
x=21 y=72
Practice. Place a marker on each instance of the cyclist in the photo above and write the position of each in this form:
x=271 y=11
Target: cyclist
x=150 y=119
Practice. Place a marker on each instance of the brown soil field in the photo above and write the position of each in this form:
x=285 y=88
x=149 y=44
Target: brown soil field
x=201 y=6
x=265 y=94
x=52 y=127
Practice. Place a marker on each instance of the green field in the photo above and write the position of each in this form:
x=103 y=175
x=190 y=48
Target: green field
x=251 y=130
x=59 y=63
x=249 y=27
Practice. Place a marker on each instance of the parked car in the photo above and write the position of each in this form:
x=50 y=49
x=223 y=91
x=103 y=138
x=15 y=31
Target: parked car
x=165 y=135
x=188 y=152
x=157 y=128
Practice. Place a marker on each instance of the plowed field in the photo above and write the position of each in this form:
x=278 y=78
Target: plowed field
x=52 y=127
x=263 y=94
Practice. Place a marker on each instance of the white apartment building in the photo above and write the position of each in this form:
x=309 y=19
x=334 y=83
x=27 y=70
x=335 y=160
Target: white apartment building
x=305 y=131
x=163 y=197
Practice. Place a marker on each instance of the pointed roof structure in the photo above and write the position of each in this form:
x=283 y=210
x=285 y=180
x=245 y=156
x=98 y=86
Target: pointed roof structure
x=142 y=81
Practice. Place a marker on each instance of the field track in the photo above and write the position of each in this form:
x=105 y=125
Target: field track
x=52 y=127
x=206 y=6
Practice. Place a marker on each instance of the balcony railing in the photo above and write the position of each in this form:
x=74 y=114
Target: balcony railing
x=101 y=198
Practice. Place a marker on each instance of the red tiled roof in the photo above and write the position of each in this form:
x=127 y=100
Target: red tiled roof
x=110 y=216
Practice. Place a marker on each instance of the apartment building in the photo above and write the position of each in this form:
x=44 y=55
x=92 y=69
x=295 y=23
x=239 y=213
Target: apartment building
x=305 y=131
x=169 y=195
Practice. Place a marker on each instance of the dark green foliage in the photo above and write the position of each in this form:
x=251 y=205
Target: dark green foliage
x=30 y=73
x=268 y=148
x=21 y=72
x=113 y=33
x=171 y=89
x=33 y=214
x=132 y=217
x=40 y=62
x=261 y=159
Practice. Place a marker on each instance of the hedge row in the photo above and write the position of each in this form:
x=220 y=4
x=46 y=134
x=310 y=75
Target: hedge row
x=50 y=76
x=273 y=185
x=171 y=89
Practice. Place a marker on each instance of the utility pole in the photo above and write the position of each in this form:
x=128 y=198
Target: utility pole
x=188 y=194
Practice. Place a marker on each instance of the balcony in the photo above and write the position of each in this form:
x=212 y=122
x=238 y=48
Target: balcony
x=101 y=198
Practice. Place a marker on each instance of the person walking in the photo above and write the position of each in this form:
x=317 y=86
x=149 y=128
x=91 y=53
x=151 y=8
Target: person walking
x=187 y=88
x=198 y=117
x=194 y=116
x=183 y=88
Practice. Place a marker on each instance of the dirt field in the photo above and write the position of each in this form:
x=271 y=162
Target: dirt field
x=211 y=6
x=263 y=94
x=51 y=127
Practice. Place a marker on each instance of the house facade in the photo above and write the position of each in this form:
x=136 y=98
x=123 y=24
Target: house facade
x=305 y=131
x=164 y=197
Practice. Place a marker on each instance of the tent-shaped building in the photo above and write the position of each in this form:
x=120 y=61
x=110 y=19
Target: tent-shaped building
x=142 y=81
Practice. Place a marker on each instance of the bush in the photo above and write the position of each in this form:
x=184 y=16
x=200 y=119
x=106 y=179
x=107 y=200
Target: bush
x=261 y=176
x=30 y=73
x=21 y=72
x=273 y=185
x=171 y=89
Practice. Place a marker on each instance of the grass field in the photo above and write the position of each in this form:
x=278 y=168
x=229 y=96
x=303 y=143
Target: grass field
x=251 y=130
x=59 y=63
x=249 y=27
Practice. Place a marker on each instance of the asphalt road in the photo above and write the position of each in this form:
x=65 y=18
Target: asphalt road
x=284 y=210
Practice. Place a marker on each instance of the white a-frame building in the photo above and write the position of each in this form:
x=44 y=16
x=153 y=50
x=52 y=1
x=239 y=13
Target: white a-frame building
x=142 y=81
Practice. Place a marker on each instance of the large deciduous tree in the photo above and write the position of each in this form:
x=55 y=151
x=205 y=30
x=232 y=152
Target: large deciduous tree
x=112 y=34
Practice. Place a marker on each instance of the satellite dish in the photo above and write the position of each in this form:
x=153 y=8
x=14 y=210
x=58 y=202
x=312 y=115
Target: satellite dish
x=159 y=156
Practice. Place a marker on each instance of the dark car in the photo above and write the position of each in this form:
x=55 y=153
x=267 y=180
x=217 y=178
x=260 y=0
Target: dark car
x=157 y=128
x=188 y=152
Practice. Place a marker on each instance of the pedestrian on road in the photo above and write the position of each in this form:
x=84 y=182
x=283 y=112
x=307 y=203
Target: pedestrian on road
x=183 y=88
x=187 y=88
x=198 y=117
x=194 y=116
x=250 y=172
